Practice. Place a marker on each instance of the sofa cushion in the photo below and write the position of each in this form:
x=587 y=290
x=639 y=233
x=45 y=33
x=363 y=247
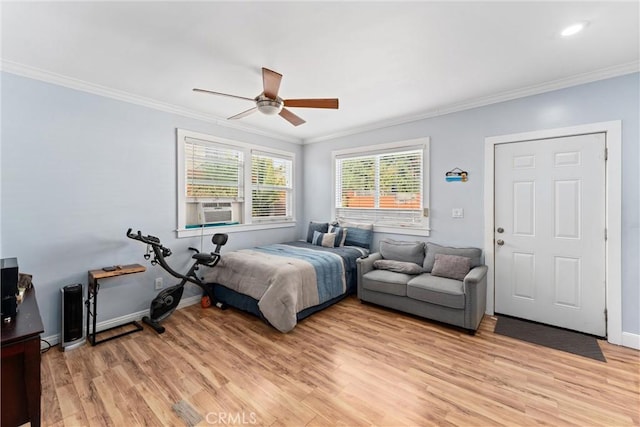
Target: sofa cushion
x=398 y=250
x=437 y=290
x=432 y=249
x=451 y=266
x=386 y=282
x=398 y=266
x=321 y=227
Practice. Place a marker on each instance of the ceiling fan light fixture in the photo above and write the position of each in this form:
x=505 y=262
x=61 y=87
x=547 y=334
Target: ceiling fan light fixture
x=573 y=29
x=269 y=103
x=269 y=106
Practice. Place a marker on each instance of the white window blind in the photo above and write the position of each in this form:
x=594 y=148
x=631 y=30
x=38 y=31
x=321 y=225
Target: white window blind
x=385 y=188
x=213 y=171
x=271 y=186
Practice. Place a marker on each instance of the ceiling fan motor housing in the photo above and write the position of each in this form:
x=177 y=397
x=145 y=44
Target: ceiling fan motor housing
x=269 y=103
x=269 y=106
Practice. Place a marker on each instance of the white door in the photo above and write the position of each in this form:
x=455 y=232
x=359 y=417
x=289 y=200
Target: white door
x=550 y=231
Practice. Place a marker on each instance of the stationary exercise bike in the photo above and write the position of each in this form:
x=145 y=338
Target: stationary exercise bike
x=167 y=300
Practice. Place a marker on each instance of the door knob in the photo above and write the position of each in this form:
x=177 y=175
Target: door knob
x=500 y=230
x=500 y=242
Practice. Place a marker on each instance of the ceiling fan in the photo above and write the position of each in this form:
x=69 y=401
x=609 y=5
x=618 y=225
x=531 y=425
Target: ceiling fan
x=268 y=102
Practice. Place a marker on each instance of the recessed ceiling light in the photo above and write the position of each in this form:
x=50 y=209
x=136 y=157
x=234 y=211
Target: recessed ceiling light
x=573 y=29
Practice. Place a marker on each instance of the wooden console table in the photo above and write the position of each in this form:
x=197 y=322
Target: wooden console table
x=92 y=300
x=21 y=365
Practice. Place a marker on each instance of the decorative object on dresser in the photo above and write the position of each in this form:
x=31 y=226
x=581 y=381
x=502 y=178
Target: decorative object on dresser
x=9 y=288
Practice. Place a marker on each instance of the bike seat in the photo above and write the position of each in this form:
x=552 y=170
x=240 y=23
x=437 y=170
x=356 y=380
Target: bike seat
x=205 y=258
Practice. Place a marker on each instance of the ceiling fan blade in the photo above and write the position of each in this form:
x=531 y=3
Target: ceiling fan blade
x=312 y=103
x=223 y=94
x=291 y=118
x=271 y=82
x=244 y=113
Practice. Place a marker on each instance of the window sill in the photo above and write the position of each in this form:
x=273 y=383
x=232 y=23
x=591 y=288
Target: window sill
x=209 y=231
x=410 y=231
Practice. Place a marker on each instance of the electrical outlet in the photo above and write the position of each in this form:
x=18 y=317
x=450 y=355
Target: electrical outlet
x=457 y=213
x=158 y=283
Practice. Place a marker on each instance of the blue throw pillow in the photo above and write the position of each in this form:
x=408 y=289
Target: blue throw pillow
x=341 y=234
x=321 y=227
x=359 y=234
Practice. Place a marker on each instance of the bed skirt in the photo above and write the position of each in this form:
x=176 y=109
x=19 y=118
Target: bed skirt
x=250 y=305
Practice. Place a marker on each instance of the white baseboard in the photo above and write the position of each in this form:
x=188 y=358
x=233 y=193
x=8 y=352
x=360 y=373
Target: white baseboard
x=628 y=339
x=631 y=340
x=106 y=324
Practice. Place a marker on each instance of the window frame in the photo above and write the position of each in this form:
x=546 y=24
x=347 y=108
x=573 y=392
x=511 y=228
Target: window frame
x=288 y=189
x=248 y=149
x=390 y=148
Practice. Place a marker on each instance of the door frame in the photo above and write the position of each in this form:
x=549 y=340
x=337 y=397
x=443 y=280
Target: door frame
x=613 y=215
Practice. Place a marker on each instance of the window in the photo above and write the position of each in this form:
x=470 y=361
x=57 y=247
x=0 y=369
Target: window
x=384 y=185
x=213 y=171
x=228 y=183
x=271 y=186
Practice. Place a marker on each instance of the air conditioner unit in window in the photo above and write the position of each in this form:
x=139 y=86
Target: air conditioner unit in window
x=214 y=212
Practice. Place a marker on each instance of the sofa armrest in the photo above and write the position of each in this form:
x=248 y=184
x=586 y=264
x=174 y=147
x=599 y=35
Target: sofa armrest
x=365 y=265
x=475 y=275
x=475 y=289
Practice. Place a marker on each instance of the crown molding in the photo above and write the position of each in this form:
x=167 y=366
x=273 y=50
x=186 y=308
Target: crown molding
x=578 y=79
x=57 y=79
x=81 y=85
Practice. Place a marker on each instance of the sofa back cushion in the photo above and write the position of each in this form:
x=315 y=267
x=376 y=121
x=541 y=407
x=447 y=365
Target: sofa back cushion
x=406 y=251
x=432 y=249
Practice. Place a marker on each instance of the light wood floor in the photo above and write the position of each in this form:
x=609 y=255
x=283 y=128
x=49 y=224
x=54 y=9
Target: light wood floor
x=352 y=364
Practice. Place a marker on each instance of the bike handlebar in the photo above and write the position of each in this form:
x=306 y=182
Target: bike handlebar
x=149 y=240
x=160 y=252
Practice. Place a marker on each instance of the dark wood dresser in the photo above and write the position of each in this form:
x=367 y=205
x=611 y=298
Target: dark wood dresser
x=21 y=365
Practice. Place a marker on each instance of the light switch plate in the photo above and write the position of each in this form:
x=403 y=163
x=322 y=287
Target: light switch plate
x=457 y=213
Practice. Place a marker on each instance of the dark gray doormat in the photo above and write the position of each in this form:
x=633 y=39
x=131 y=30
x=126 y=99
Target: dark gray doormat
x=549 y=336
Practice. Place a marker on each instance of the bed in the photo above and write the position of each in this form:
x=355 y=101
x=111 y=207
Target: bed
x=286 y=282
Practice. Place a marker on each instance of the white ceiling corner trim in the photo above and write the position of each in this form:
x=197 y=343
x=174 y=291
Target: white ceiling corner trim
x=72 y=83
x=389 y=63
x=584 y=78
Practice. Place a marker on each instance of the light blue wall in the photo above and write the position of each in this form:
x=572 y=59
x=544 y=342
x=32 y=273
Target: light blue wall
x=79 y=169
x=457 y=140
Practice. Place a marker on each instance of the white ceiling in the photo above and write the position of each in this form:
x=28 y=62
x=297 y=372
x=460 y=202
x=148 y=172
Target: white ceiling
x=387 y=62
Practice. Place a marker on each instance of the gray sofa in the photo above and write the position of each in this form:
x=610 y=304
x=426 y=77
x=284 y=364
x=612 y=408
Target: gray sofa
x=426 y=280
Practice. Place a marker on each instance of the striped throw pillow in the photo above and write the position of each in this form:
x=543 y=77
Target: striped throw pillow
x=341 y=234
x=324 y=239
